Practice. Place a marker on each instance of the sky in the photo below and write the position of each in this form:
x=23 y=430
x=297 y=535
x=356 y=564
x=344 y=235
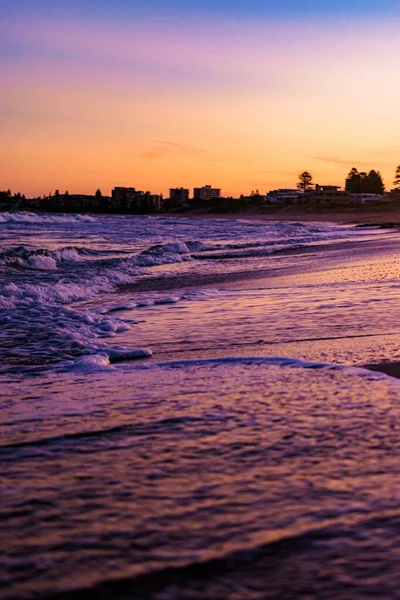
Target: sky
x=239 y=94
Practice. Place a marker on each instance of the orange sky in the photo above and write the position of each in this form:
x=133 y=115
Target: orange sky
x=242 y=106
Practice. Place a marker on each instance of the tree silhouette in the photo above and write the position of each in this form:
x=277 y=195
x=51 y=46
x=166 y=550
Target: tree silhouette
x=374 y=183
x=98 y=194
x=396 y=181
x=364 y=183
x=305 y=183
x=353 y=181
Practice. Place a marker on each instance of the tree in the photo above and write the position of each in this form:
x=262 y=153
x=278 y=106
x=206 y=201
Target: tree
x=98 y=194
x=396 y=181
x=57 y=193
x=353 y=181
x=66 y=193
x=305 y=183
x=364 y=183
x=374 y=183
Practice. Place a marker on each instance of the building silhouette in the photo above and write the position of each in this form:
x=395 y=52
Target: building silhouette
x=128 y=199
x=206 y=193
x=178 y=197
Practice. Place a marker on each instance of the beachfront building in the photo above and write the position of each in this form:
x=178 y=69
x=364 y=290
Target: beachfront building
x=284 y=196
x=147 y=202
x=127 y=199
x=207 y=192
x=328 y=194
x=178 y=197
x=123 y=198
x=367 y=198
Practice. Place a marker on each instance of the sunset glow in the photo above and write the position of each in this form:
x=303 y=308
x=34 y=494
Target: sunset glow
x=242 y=101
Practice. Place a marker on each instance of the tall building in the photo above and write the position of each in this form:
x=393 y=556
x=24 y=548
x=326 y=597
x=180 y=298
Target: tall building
x=178 y=196
x=206 y=193
x=134 y=201
x=123 y=198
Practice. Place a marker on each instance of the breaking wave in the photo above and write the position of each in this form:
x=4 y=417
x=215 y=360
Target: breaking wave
x=43 y=219
x=46 y=268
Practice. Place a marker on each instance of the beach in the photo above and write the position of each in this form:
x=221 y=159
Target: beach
x=379 y=213
x=199 y=407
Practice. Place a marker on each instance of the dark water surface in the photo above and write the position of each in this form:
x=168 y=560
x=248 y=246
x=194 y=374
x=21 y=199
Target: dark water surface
x=246 y=478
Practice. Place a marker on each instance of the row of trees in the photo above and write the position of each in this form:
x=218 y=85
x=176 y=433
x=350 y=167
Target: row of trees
x=98 y=193
x=364 y=183
x=356 y=182
x=6 y=195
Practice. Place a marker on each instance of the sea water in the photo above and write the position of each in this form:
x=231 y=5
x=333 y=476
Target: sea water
x=161 y=435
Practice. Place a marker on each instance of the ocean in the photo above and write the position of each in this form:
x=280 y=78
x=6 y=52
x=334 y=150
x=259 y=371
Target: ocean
x=186 y=411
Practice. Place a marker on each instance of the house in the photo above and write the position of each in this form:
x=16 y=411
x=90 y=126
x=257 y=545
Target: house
x=284 y=196
x=367 y=198
x=328 y=194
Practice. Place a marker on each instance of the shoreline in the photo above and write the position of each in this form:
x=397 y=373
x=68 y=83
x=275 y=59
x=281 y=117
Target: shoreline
x=392 y=369
x=387 y=215
x=373 y=348
x=358 y=249
x=381 y=215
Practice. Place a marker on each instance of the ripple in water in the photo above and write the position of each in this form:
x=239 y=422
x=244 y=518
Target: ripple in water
x=278 y=480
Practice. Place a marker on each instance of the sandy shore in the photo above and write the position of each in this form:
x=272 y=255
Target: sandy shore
x=306 y=259
x=355 y=283
x=381 y=214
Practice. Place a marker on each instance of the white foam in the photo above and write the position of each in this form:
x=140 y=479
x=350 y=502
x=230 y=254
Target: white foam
x=96 y=361
x=105 y=359
x=123 y=354
x=41 y=263
x=278 y=361
x=167 y=300
x=68 y=255
x=161 y=254
x=39 y=218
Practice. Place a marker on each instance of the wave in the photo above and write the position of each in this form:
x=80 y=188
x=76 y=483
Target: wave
x=47 y=334
x=30 y=218
x=290 y=564
x=279 y=361
x=40 y=281
x=42 y=259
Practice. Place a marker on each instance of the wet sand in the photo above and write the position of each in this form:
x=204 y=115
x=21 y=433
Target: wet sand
x=381 y=214
x=351 y=263
x=307 y=259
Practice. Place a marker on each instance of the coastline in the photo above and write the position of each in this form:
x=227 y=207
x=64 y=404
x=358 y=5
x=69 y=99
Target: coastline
x=324 y=253
x=387 y=214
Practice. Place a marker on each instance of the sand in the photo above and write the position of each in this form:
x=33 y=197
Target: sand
x=369 y=336
x=379 y=214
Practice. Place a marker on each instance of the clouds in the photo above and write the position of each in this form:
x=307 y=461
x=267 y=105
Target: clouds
x=162 y=149
x=366 y=162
